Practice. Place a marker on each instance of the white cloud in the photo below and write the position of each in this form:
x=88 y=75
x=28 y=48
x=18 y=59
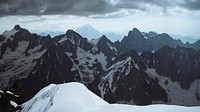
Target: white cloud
x=177 y=23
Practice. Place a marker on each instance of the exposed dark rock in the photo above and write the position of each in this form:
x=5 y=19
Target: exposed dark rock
x=114 y=71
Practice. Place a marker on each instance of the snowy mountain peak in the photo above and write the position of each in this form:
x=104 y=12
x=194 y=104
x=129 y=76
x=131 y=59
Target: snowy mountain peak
x=72 y=97
x=9 y=34
x=75 y=97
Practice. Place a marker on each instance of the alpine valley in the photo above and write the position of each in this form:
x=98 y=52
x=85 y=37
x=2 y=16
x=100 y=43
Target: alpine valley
x=143 y=68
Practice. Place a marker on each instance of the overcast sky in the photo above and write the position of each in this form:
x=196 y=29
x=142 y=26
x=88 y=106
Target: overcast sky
x=120 y=16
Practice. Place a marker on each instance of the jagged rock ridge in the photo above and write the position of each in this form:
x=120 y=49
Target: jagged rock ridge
x=117 y=71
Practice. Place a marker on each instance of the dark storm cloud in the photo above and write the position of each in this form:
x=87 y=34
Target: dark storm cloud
x=36 y=7
x=86 y=7
x=191 y=4
x=142 y=4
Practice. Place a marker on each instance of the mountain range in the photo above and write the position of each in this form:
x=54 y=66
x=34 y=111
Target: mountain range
x=142 y=68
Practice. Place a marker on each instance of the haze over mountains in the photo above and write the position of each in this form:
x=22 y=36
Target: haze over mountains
x=142 y=68
x=89 y=32
x=131 y=52
x=184 y=39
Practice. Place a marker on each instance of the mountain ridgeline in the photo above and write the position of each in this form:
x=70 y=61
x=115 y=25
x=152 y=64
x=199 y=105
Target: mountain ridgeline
x=141 y=41
x=143 y=68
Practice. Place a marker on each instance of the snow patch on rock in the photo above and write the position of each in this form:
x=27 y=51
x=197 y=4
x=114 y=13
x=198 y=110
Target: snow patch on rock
x=176 y=94
x=16 y=64
x=9 y=34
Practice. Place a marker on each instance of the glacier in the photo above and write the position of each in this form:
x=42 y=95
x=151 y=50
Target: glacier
x=75 y=97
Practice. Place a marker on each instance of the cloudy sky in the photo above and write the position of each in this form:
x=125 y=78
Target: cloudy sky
x=120 y=16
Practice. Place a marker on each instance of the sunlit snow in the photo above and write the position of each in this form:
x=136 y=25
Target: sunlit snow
x=75 y=97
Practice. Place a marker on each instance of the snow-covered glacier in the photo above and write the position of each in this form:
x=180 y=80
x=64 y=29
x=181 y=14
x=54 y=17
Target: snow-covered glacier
x=75 y=97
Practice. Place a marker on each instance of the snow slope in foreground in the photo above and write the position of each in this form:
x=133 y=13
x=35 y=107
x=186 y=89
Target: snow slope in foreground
x=75 y=97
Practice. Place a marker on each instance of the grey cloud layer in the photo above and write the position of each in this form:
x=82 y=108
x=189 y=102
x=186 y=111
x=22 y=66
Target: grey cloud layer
x=36 y=7
x=86 y=7
x=192 y=4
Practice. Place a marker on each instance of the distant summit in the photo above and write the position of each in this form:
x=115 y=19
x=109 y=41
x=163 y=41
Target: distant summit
x=88 y=31
x=141 y=41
